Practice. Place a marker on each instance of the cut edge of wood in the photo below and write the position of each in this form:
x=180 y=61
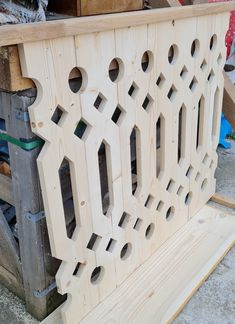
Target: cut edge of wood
x=224 y=201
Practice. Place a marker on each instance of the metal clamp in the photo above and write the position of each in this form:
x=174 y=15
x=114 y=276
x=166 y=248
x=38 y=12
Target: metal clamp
x=35 y=217
x=45 y=292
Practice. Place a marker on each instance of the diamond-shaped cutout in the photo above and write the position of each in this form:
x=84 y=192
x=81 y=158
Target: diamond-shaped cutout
x=133 y=90
x=100 y=102
x=117 y=115
x=203 y=65
x=219 y=59
x=94 y=242
x=198 y=175
x=57 y=115
x=205 y=159
x=160 y=205
x=193 y=84
x=124 y=220
x=180 y=190
x=170 y=186
x=211 y=164
x=160 y=81
x=138 y=224
x=79 y=269
x=211 y=76
x=147 y=102
x=189 y=171
x=81 y=129
x=111 y=245
x=149 y=201
x=172 y=93
x=184 y=72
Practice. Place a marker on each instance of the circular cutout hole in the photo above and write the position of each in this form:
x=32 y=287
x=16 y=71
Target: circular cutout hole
x=213 y=42
x=116 y=70
x=149 y=231
x=195 y=48
x=170 y=213
x=204 y=184
x=147 y=61
x=126 y=251
x=77 y=80
x=188 y=198
x=97 y=275
x=173 y=54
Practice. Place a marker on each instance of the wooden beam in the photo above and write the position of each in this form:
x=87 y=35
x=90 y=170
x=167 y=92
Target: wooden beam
x=6 y=191
x=229 y=100
x=162 y=286
x=164 y=3
x=9 y=250
x=19 y=34
x=91 y=7
x=10 y=71
x=224 y=201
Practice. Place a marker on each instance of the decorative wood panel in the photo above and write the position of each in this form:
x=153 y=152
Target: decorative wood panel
x=155 y=122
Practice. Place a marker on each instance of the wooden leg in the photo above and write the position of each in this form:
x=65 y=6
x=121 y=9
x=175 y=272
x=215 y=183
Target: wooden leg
x=33 y=242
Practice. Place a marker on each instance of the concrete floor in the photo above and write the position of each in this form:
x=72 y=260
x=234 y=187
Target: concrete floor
x=213 y=303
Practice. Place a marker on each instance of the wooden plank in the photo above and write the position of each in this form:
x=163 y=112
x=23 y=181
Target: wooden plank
x=19 y=34
x=12 y=282
x=6 y=191
x=67 y=7
x=225 y=201
x=9 y=250
x=10 y=72
x=162 y=286
x=91 y=7
x=229 y=100
x=164 y=3
x=33 y=241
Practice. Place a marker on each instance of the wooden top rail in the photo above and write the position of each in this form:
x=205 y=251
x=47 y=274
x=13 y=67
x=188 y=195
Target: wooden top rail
x=17 y=34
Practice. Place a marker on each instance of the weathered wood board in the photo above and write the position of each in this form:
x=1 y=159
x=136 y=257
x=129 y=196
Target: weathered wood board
x=168 y=105
x=93 y=7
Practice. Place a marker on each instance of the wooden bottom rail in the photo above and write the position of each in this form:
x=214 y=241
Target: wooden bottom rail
x=224 y=201
x=162 y=286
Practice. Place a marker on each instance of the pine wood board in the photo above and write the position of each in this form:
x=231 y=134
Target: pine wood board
x=10 y=35
x=161 y=287
x=224 y=201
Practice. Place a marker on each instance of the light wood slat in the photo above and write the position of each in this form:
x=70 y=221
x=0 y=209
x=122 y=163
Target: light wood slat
x=224 y=201
x=161 y=287
x=10 y=35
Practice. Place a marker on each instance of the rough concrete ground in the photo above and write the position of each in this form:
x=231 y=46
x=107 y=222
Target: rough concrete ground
x=213 y=303
x=12 y=309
